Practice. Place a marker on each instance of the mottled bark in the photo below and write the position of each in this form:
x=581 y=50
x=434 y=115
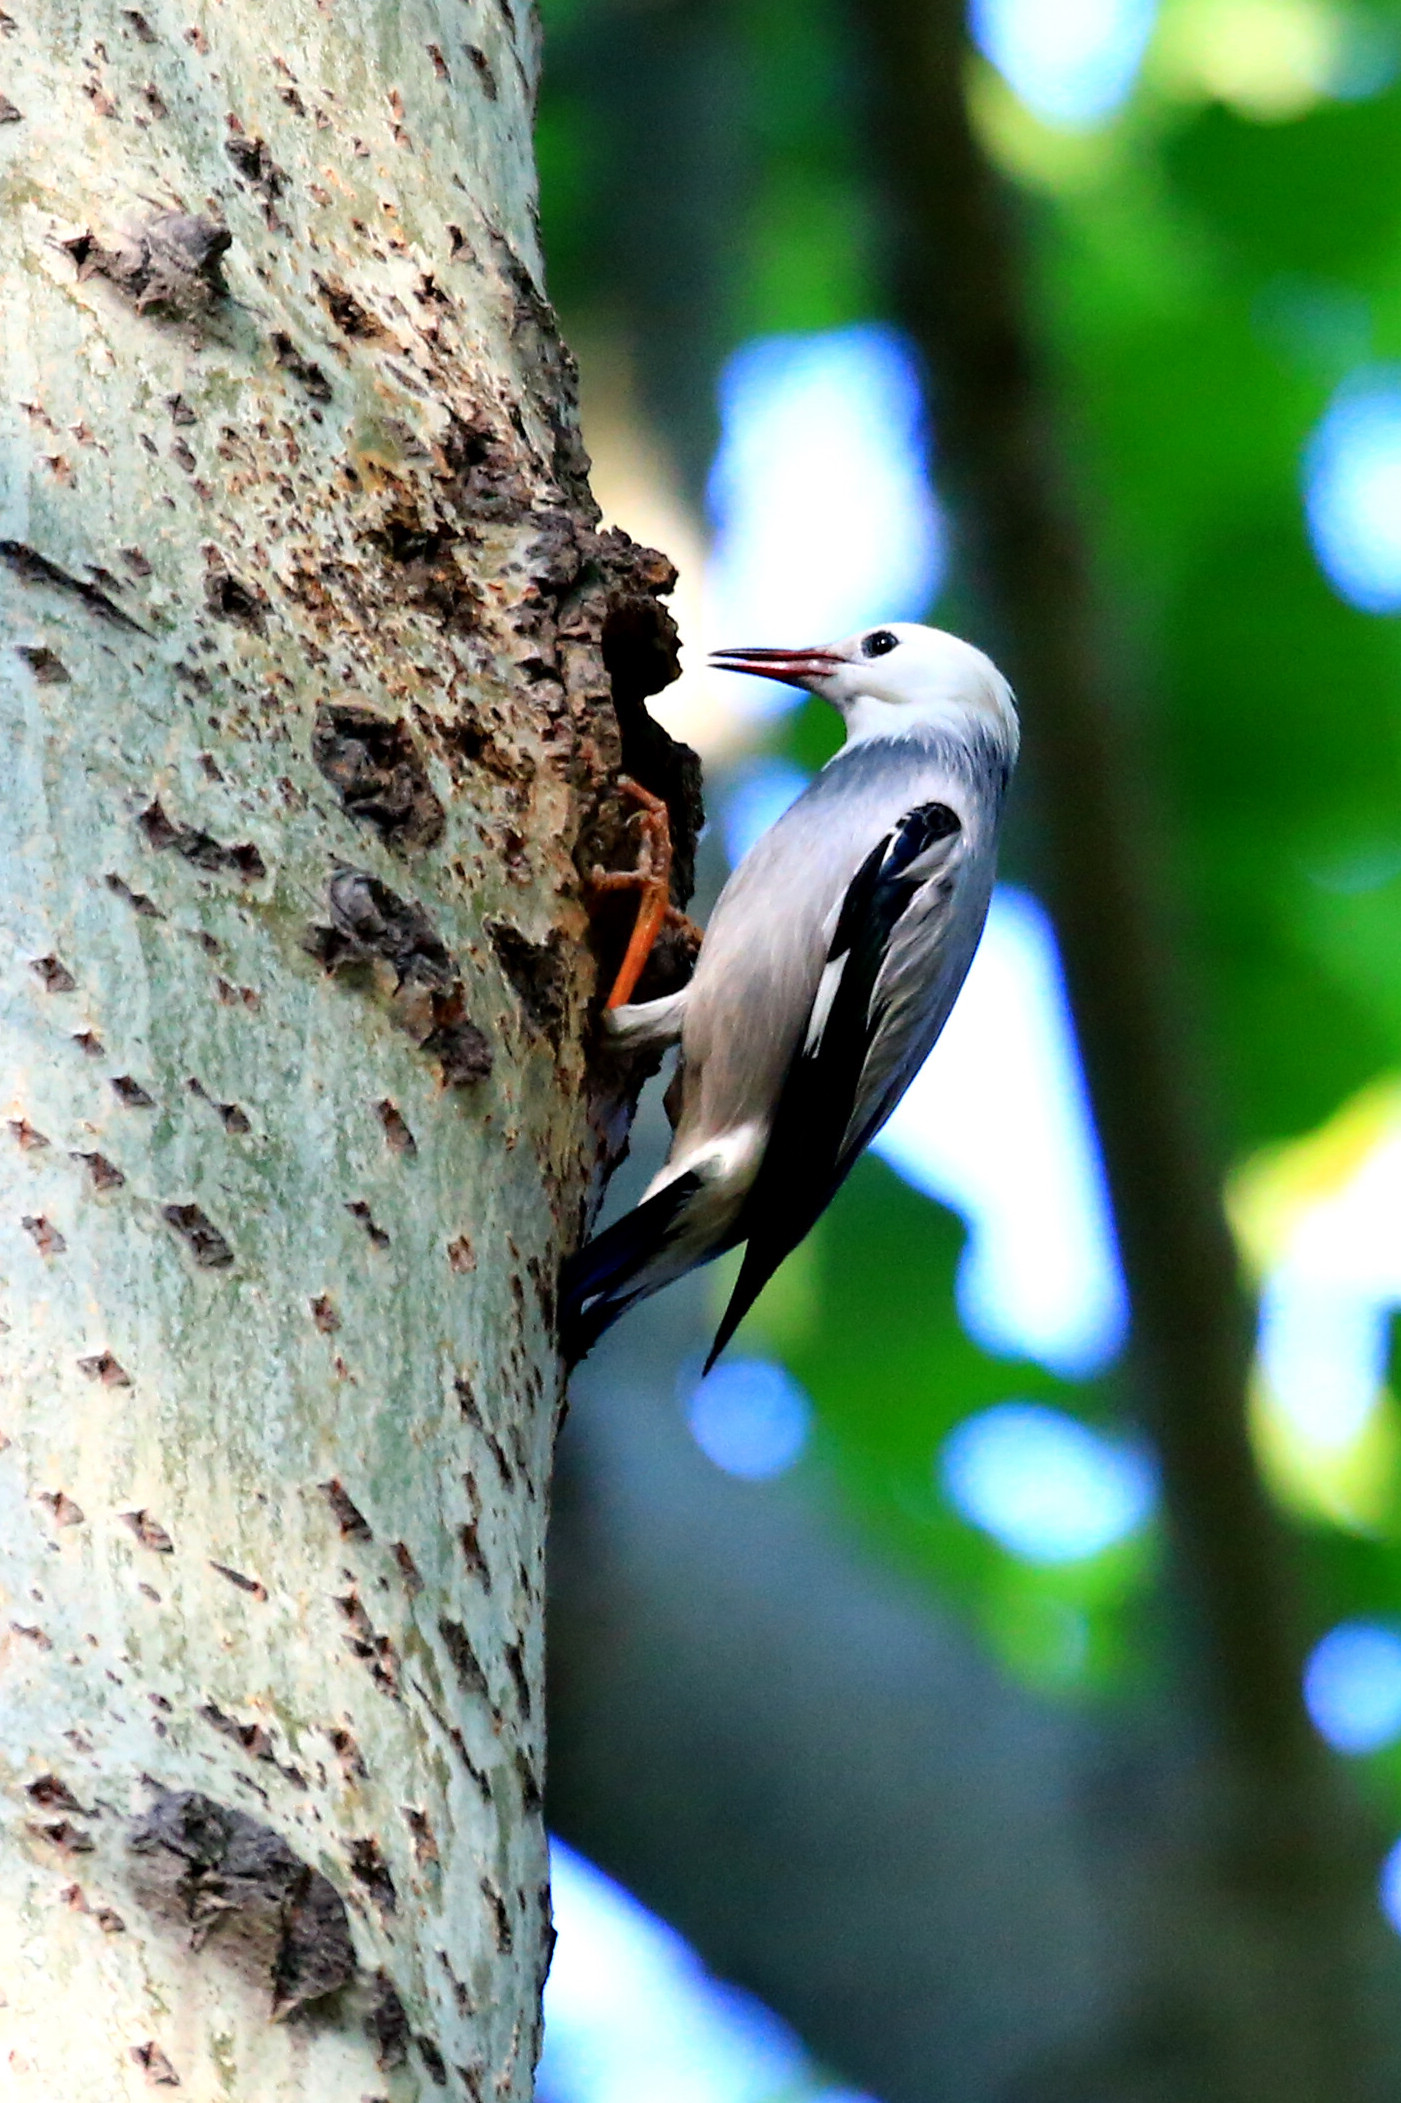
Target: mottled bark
x=305 y=679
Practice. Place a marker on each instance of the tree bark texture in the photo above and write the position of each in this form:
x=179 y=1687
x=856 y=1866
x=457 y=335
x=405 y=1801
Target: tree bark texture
x=308 y=735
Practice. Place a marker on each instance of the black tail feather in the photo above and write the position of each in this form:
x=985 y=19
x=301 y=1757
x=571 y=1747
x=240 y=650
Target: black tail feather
x=593 y=1286
x=761 y=1260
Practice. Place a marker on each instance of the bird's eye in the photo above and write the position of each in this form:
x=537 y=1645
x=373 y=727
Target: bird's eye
x=878 y=643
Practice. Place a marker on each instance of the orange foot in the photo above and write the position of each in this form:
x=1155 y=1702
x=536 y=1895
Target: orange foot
x=652 y=880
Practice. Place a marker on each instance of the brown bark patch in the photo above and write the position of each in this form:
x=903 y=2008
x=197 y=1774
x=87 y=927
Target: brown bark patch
x=358 y=1209
x=53 y=1794
x=48 y=669
x=64 y=1509
x=350 y=317
x=244 y=1894
x=465 y=1662
x=498 y=1915
x=33 y=568
x=155 y=2065
x=388 y=944
x=433 y=2060
x=140 y=904
x=173 y=262
x=369 y=1868
x=365 y=1642
x=251 y=1585
x=538 y=971
x=398 y=1138
x=65 y=1836
x=376 y=769
x=308 y=375
x=211 y=1252
x=200 y=848
x=256 y=166
x=420 y=1827
x=56 y=976
x=472 y=1554
x=103 y=1366
x=228 y=598
x=351 y=1520
x=149 y=1532
x=387 y=2025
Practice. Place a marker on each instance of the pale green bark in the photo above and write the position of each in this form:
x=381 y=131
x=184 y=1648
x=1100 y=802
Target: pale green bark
x=252 y=1243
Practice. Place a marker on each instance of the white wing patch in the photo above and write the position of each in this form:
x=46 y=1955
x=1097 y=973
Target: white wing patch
x=822 y=1002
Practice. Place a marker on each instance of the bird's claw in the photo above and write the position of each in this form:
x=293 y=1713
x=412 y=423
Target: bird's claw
x=652 y=879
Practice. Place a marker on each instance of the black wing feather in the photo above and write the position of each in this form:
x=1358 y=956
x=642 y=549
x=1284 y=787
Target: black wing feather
x=808 y=1156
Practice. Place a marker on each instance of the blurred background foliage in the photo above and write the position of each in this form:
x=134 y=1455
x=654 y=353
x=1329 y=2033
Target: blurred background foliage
x=1209 y=198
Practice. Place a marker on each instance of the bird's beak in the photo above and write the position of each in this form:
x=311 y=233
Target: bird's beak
x=793 y=667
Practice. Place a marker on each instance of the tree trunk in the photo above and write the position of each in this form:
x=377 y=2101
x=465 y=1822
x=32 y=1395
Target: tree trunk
x=309 y=733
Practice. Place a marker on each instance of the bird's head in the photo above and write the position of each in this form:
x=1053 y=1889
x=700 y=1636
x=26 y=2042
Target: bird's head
x=889 y=681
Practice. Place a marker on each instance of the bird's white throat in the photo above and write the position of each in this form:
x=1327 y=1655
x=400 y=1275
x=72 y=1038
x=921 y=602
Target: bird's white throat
x=989 y=712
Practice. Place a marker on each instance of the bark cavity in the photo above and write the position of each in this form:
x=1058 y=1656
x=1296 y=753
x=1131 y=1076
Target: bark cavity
x=229 y=599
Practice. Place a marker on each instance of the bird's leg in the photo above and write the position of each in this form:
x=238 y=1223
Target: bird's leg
x=652 y=878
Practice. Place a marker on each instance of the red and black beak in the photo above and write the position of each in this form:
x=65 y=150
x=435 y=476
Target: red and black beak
x=793 y=667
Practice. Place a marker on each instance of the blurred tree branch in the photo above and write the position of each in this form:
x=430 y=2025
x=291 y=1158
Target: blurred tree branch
x=658 y=86
x=1287 y=1853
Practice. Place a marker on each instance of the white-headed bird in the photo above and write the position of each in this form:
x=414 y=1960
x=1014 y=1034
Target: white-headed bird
x=831 y=963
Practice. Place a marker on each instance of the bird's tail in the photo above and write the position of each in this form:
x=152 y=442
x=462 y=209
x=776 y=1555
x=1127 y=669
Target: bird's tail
x=603 y=1279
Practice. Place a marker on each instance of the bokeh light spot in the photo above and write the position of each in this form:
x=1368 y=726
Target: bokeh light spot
x=1352 y=490
x=1045 y=1486
x=1323 y=1348
x=1073 y=63
x=756 y=799
x=1352 y=1686
x=997 y=1124
x=1391 y=1887
x=633 y=2016
x=750 y=1417
x=824 y=517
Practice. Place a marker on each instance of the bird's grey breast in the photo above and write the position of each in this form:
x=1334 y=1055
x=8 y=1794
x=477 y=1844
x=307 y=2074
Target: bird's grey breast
x=767 y=940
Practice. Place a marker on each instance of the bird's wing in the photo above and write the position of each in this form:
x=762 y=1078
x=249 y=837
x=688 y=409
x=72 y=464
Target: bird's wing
x=886 y=988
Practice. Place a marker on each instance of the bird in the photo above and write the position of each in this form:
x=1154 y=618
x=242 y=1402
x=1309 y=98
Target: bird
x=831 y=963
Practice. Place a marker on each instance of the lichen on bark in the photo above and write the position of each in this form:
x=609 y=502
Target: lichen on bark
x=316 y=679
